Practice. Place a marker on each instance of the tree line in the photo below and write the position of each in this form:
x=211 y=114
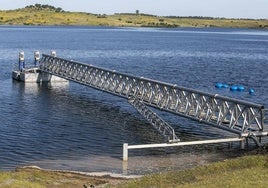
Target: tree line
x=41 y=7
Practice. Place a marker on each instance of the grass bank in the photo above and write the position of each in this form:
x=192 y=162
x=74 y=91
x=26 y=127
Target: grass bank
x=48 y=15
x=34 y=177
x=248 y=171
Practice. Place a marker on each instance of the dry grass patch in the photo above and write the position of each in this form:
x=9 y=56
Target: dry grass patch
x=37 y=178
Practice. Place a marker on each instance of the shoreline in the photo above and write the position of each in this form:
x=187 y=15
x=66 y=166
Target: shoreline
x=93 y=174
x=122 y=27
x=132 y=26
x=33 y=176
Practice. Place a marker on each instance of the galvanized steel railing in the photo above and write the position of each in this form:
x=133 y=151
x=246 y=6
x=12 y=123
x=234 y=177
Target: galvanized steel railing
x=243 y=118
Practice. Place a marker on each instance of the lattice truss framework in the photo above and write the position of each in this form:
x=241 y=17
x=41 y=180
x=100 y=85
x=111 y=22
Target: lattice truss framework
x=243 y=118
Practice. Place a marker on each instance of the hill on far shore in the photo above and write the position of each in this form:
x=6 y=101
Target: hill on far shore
x=48 y=15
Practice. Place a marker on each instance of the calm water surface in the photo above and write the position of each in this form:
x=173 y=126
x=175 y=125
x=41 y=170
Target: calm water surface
x=69 y=126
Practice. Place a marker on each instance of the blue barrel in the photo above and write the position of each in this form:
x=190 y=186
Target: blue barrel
x=240 y=88
x=233 y=88
x=225 y=85
x=251 y=91
x=218 y=85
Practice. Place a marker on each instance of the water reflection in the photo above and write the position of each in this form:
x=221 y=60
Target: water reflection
x=35 y=88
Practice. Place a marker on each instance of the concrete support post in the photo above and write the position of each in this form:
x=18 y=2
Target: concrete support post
x=125 y=152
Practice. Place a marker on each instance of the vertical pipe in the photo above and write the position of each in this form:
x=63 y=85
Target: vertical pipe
x=36 y=58
x=21 y=61
x=262 y=118
x=262 y=121
x=125 y=152
x=124 y=167
x=242 y=144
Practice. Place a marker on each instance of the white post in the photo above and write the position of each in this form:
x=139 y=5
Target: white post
x=53 y=53
x=124 y=167
x=125 y=152
x=242 y=144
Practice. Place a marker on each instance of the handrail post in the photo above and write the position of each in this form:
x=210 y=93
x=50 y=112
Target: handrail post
x=242 y=144
x=125 y=151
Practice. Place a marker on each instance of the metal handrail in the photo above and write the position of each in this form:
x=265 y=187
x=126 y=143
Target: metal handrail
x=158 y=123
x=241 y=117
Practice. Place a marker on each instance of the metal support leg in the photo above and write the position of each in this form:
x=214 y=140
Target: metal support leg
x=159 y=124
x=242 y=144
x=125 y=152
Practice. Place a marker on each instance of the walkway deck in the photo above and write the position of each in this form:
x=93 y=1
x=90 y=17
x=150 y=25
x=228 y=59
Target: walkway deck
x=243 y=118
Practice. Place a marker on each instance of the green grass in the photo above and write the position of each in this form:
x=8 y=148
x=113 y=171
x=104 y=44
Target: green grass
x=245 y=172
x=28 y=16
x=248 y=171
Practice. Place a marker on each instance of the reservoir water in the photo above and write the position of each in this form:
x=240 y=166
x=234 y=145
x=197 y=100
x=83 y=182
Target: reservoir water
x=73 y=127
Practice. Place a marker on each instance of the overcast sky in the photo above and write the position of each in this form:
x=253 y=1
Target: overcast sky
x=212 y=8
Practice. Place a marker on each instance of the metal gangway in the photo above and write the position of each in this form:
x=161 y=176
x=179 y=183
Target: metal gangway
x=245 y=119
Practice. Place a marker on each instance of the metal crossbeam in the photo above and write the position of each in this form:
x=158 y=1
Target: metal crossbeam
x=243 y=118
x=159 y=124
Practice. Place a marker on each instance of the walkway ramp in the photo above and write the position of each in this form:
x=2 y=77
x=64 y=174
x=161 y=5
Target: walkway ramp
x=243 y=118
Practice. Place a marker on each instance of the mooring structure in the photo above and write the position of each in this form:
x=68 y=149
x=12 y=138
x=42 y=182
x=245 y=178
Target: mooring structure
x=245 y=119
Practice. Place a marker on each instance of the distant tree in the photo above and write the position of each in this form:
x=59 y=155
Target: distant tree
x=47 y=7
x=30 y=6
x=137 y=12
x=58 y=10
x=39 y=6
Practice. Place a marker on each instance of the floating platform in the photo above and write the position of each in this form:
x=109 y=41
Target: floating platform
x=35 y=75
